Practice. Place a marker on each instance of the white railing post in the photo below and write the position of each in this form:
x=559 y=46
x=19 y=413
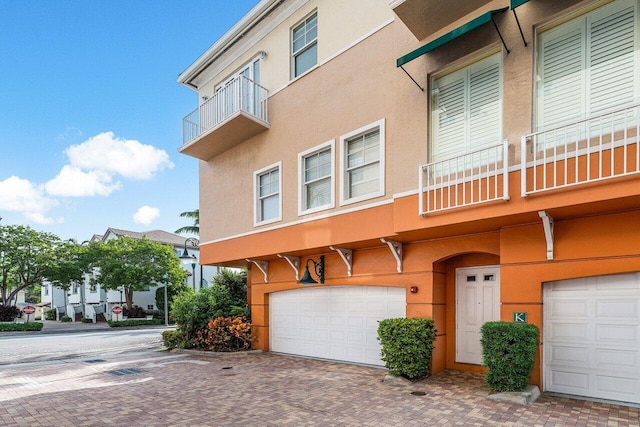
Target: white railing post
x=420 y=189
x=505 y=170
x=523 y=164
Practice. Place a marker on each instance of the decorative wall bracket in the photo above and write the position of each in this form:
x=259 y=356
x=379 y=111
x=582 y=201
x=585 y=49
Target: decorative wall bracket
x=263 y=266
x=294 y=262
x=547 y=223
x=396 y=251
x=347 y=257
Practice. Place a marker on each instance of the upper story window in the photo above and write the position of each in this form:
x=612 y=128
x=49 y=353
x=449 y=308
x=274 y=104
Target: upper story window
x=316 y=179
x=304 y=45
x=45 y=288
x=466 y=107
x=362 y=158
x=588 y=65
x=93 y=288
x=268 y=184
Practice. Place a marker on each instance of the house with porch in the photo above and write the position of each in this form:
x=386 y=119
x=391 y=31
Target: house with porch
x=466 y=161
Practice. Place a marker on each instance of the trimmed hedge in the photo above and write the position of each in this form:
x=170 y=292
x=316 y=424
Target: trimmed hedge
x=407 y=346
x=134 y=322
x=509 y=351
x=173 y=338
x=13 y=327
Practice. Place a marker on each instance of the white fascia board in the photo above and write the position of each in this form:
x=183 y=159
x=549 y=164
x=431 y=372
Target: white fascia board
x=254 y=16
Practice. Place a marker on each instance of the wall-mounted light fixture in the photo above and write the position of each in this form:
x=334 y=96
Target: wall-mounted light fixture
x=319 y=270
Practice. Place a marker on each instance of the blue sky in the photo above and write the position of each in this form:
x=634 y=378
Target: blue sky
x=90 y=111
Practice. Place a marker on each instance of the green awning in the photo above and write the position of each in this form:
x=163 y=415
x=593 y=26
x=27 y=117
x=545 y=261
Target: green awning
x=516 y=3
x=454 y=34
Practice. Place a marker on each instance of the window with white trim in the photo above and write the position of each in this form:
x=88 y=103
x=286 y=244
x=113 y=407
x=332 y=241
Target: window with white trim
x=304 y=45
x=46 y=289
x=588 y=65
x=466 y=107
x=268 y=184
x=316 y=179
x=362 y=159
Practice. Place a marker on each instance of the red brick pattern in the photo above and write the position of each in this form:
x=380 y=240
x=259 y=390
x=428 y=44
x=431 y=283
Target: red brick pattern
x=267 y=390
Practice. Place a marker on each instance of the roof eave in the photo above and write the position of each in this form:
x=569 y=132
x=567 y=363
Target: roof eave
x=236 y=32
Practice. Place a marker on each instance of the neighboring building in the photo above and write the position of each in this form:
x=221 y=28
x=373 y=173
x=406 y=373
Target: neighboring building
x=82 y=298
x=438 y=173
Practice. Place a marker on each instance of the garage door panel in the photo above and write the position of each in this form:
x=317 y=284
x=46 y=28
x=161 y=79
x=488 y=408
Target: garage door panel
x=568 y=331
x=617 y=359
x=570 y=381
x=569 y=355
x=342 y=323
x=617 y=334
x=592 y=340
x=624 y=308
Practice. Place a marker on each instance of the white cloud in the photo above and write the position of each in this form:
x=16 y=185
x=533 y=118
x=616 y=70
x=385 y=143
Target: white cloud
x=146 y=215
x=38 y=218
x=20 y=195
x=127 y=157
x=74 y=182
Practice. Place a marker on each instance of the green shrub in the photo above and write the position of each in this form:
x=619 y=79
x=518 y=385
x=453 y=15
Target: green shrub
x=173 y=338
x=134 y=313
x=172 y=291
x=8 y=313
x=192 y=312
x=65 y=318
x=50 y=314
x=509 y=351
x=407 y=346
x=133 y=322
x=85 y=320
x=157 y=314
x=12 y=327
x=224 y=334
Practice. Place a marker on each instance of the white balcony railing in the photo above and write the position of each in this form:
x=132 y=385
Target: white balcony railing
x=240 y=94
x=602 y=147
x=477 y=177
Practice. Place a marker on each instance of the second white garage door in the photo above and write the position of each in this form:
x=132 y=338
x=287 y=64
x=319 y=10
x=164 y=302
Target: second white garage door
x=592 y=337
x=333 y=322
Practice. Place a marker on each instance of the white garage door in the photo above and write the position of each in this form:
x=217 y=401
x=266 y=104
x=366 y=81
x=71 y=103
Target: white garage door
x=592 y=337
x=333 y=322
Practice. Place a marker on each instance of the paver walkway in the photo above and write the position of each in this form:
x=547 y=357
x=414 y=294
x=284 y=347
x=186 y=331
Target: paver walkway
x=167 y=389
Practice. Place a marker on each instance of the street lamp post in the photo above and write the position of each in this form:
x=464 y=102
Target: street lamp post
x=191 y=259
x=166 y=303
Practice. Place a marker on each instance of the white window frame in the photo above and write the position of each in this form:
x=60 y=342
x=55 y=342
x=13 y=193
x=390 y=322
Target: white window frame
x=302 y=184
x=257 y=213
x=307 y=46
x=344 y=140
x=435 y=149
x=566 y=22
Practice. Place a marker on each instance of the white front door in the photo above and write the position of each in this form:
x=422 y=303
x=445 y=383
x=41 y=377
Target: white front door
x=477 y=302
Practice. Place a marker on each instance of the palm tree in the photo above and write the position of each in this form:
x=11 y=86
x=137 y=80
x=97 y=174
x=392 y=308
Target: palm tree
x=191 y=229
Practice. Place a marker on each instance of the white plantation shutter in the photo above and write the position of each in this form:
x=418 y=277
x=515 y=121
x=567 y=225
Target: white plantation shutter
x=467 y=109
x=485 y=103
x=611 y=62
x=586 y=65
x=561 y=94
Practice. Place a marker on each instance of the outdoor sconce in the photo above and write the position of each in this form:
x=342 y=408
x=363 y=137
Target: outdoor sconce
x=414 y=289
x=319 y=270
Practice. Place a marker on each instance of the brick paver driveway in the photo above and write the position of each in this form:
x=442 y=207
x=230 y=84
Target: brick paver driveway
x=167 y=389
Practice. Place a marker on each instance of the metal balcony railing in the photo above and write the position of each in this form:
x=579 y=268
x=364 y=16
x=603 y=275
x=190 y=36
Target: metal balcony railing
x=477 y=177
x=240 y=94
x=601 y=147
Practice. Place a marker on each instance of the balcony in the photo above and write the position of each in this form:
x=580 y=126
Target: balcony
x=599 y=148
x=477 y=177
x=236 y=113
x=426 y=17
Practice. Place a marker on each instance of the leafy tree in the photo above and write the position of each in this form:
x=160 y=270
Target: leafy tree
x=172 y=291
x=190 y=229
x=236 y=282
x=72 y=262
x=25 y=257
x=133 y=265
